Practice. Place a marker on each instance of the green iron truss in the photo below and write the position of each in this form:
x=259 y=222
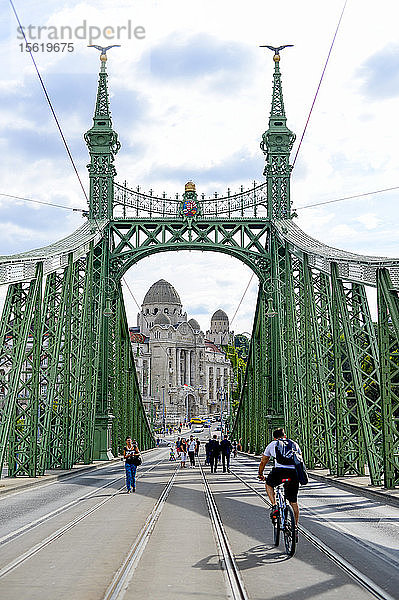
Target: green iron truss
x=318 y=364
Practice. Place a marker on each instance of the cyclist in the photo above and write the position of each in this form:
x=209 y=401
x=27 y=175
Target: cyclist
x=280 y=472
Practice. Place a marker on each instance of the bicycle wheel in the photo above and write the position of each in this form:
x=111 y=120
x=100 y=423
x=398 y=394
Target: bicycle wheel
x=276 y=530
x=289 y=531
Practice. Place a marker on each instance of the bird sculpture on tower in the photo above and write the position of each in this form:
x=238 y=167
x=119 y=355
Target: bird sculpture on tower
x=103 y=50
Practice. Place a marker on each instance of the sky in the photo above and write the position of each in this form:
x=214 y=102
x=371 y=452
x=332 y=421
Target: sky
x=190 y=98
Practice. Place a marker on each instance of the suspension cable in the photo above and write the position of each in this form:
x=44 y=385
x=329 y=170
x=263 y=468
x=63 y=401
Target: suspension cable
x=50 y=103
x=349 y=197
x=318 y=87
x=242 y=298
x=43 y=202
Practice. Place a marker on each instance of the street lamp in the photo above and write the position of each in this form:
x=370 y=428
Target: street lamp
x=163 y=409
x=109 y=289
x=188 y=388
x=270 y=309
x=221 y=392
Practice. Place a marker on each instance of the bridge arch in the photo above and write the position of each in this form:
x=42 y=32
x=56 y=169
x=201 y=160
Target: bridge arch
x=247 y=240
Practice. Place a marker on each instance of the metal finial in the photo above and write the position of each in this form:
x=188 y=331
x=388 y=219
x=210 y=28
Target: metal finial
x=103 y=55
x=277 y=49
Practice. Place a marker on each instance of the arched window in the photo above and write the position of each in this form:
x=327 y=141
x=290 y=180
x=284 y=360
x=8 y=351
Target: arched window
x=155 y=311
x=166 y=311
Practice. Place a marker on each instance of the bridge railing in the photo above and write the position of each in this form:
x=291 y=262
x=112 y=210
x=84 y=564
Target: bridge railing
x=134 y=203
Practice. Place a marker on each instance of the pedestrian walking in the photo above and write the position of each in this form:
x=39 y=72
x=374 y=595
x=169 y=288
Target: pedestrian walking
x=235 y=448
x=226 y=448
x=214 y=451
x=191 y=450
x=183 y=453
x=207 y=452
x=197 y=446
x=131 y=454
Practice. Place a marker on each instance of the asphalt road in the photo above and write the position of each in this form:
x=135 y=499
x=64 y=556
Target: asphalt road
x=68 y=539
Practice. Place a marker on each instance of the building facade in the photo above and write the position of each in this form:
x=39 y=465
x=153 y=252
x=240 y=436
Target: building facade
x=181 y=372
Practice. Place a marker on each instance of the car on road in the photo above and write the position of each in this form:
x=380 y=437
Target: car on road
x=219 y=428
x=198 y=430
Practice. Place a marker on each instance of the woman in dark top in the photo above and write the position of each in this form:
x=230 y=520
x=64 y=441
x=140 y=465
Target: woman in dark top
x=131 y=453
x=183 y=453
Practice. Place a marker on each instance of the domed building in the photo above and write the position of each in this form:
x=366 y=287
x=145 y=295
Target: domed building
x=161 y=298
x=219 y=332
x=181 y=373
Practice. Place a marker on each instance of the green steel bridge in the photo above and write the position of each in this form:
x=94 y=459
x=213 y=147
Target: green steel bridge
x=318 y=363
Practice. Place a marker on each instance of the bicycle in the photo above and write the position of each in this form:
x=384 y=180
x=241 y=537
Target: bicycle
x=284 y=521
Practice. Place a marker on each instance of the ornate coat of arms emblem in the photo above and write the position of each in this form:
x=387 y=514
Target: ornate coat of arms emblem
x=190 y=207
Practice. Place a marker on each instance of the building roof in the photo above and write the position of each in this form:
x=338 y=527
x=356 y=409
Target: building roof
x=161 y=319
x=194 y=325
x=219 y=315
x=162 y=292
x=137 y=337
x=212 y=347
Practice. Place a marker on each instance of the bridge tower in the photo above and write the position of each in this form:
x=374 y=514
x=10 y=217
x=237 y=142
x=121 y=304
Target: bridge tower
x=102 y=142
x=277 y=142
x=103 y=145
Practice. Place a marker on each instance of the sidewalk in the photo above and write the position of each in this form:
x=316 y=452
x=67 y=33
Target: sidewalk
x=9 y=485
x=351 y=483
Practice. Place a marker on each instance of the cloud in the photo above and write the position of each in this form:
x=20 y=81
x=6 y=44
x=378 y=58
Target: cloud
x=240 y=166
x=199 y=56
x=201 y=309
x=380 y=74
x=369 y=220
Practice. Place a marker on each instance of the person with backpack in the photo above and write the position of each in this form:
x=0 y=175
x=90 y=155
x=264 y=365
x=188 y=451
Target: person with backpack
x=131 y=454
x=286 y=454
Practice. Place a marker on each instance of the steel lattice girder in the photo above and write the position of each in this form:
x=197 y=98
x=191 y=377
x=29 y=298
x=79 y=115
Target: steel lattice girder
x=244 y=238
x=18 y=364
x=359 y=406
x=55 y=366
x=321 y=358
x=388 y=333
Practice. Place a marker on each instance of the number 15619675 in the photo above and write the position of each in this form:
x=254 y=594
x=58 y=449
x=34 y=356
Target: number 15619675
x=47 y=47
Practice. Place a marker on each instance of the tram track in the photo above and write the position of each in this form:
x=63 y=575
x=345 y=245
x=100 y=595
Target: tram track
x=122 y=577
x=232 y=573
x=118 y=582
x=62 y=530
x=361 y=579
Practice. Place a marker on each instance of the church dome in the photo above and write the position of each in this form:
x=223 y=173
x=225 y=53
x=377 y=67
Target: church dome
x=194 y=325
x=161 y=319
x=219 y=315
x=162 y=292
